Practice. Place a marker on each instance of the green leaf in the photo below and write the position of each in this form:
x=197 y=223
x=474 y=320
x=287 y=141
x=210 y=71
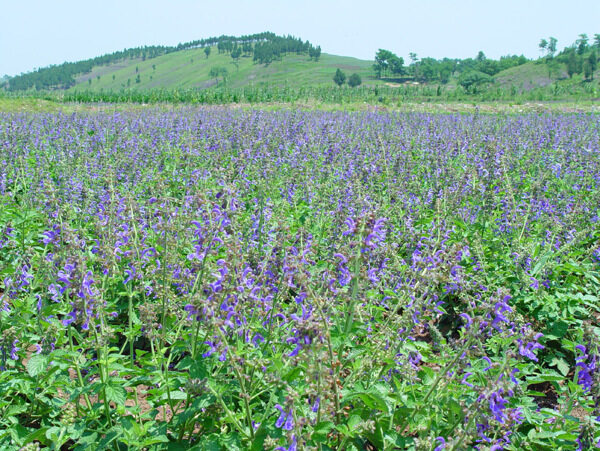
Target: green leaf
x=321 y=431
x=561 y=365
x=109 y=438
x=116 y=394
x=155 y=439
x=37 y=435
x=37 y=364
x=175 y=394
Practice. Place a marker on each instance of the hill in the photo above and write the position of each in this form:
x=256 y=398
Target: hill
x=530 y=75
x=192 y=69
x=265 y=61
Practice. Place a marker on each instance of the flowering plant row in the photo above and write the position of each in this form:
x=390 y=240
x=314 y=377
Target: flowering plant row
x=222 y=279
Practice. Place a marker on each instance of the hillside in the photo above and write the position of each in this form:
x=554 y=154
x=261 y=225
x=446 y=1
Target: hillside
x=530 y=75
x=191 y=69
x=266 y=61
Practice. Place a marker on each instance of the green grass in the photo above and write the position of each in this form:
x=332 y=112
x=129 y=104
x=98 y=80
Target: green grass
x=534 y=74
x=190 y=69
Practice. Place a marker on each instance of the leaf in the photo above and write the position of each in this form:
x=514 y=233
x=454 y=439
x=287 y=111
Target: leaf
x=37 y=364
x=37 y=435
x=372 y=399
x=544 y=378
x=155 y=439
x=175 y=394
x=116 y=394
x=353 y=422
x=108 y=439
x=561 y=365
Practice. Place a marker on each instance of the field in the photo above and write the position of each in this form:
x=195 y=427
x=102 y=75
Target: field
x=235 y=278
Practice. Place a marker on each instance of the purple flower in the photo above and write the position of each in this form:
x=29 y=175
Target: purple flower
x=489 y=362
x=526 y=349
x=467 y=319
x=316 y=404
x=351 y=227
x=286 y=419
x=292 y=447
x=588 y=367
x=464 y=380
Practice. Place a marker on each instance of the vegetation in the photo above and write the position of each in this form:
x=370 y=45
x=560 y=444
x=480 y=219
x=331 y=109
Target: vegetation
x=266 y=48
x=354 y=80
x=172 y=279
x=217 y=72
x=387 y=63
x=339 y=78
x=272 y=64
x=473 y=79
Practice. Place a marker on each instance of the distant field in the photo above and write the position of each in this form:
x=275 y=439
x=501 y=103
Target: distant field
x=191 y=68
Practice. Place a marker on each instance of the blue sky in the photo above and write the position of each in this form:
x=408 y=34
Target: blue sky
x=36 y=33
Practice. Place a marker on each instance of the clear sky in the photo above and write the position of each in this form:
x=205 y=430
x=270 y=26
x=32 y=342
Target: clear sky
x=36 y=33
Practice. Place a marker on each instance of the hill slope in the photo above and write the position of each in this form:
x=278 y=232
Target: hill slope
x=191 y=69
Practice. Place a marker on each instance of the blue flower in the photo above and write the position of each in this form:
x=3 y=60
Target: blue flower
x=286 y=419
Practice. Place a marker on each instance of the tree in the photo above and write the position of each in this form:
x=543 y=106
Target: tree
x=543 y=45
x=317 y=53
x=590 y=65
x=582 y=43
x=396 y=65
x=445 y=74
x=597 y=40
x=235 y=55
x=551 y=49
x=207 y=52
x=471 y=80
x=217 y=72
x=414 y=59
x=386 y=61
x=354 y=80
x=339 y=78
x=572 y=64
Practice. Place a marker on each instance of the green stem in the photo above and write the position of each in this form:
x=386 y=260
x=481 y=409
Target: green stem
x=78 y=370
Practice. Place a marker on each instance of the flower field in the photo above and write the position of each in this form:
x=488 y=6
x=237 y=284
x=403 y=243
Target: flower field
x=225 y=279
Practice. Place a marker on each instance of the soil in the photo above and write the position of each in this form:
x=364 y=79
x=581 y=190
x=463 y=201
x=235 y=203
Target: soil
x=550 y=398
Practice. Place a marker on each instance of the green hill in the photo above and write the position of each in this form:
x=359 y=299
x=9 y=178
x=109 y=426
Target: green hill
x=191 y=69
x=265 y=59
x=537 y=74
x=530 y=75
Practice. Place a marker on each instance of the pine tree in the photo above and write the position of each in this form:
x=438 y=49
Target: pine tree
x=339 y=78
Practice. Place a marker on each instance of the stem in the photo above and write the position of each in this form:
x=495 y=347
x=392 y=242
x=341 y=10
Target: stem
x=78 y=370
x=439 y=377
x=240 y=379
x=226 y=409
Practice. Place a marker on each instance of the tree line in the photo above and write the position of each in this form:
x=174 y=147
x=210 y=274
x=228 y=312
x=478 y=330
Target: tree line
x=389 y=65
x=581 y=57
x=265 y=47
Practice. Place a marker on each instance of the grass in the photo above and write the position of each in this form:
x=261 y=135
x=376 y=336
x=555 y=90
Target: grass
x=191 y=68
x=535 y=74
